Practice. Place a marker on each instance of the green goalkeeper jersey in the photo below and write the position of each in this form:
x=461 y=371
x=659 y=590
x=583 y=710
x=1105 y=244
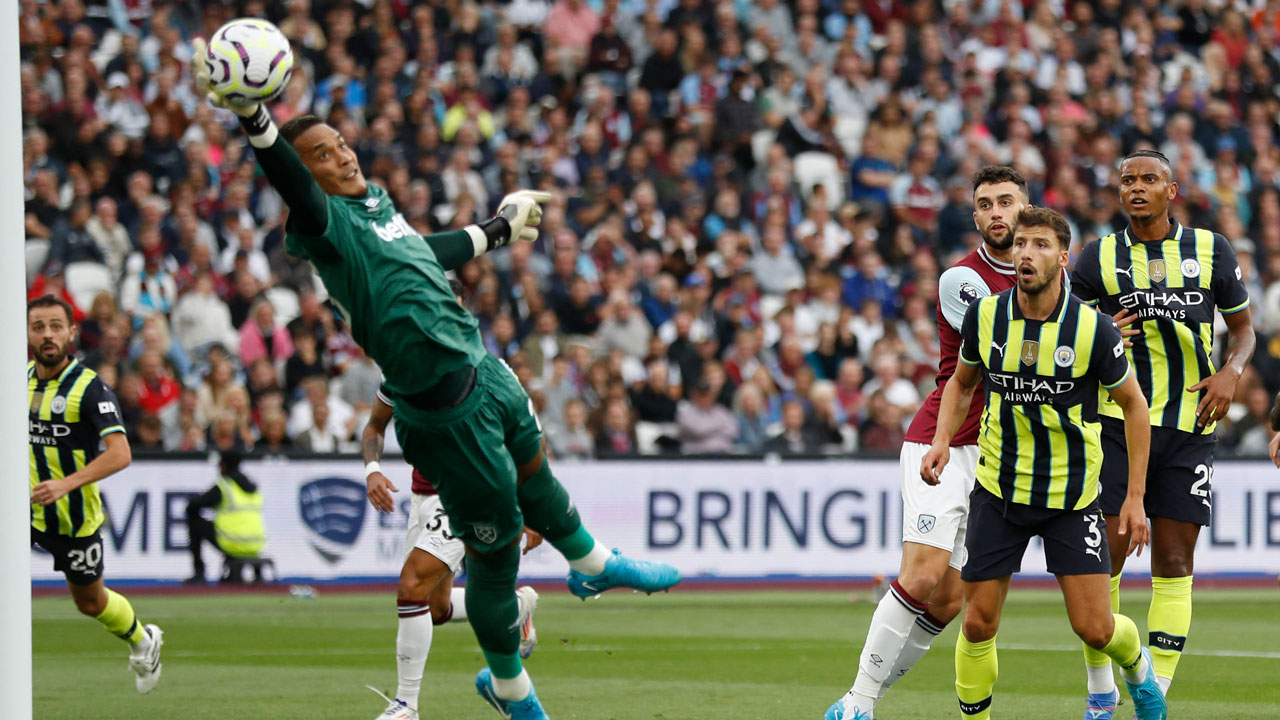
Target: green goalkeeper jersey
x=388 y=283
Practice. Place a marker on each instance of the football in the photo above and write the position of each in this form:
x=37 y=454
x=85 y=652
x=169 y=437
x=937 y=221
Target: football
x=249 y=60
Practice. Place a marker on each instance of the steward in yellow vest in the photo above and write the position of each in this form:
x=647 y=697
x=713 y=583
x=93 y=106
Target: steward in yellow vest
x=237 y=529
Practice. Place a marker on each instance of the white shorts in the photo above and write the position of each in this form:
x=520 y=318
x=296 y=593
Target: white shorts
x=429 y=532
x=938 y=515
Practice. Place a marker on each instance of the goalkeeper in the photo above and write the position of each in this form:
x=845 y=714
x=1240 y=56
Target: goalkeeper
x=459 y=411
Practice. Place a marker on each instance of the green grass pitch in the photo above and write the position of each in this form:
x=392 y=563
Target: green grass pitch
x=686 y=655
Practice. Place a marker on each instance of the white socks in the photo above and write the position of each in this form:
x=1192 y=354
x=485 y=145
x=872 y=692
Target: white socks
x=1102 y=680
x=413 y=643
x=1164 y=684
x=593 y=562
x=517 y=688
x=1137 y=674
x=891 y=624
x=925 y=629
x=459 y=600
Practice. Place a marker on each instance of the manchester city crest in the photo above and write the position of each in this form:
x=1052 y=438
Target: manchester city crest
x=59 y=404
x=1064 y=356
x=1191 y=268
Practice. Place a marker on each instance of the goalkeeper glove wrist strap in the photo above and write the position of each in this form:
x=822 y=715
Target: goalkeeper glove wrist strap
x=497 y=231
x=261 y=130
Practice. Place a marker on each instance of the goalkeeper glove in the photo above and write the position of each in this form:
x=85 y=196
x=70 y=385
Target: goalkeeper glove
x=520 y=212
x=204 y=84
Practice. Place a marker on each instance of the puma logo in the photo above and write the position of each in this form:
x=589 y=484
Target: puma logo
x=1000 y=347
x=1128 y=272
x=1094 y=552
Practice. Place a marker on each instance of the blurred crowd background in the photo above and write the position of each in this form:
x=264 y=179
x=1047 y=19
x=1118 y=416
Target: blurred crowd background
x=753 y=200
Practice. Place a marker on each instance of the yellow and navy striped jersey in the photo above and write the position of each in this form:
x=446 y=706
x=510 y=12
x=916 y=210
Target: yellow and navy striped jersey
x=1173 y=286
x=1038 y=443
x=69 y=416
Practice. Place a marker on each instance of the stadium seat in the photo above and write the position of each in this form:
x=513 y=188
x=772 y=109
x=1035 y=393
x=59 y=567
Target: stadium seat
x=37 y=251
x=86 y=279
x=819 y=168
x=761 y=141
x=648 y=433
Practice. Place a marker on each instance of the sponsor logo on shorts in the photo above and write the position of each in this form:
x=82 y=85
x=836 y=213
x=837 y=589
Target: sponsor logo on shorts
x=925 y=523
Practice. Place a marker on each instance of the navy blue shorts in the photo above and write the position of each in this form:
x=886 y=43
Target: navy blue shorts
x=1075 y=541
x=1179 y=473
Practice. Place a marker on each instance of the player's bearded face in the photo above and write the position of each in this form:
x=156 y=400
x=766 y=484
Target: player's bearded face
x=995 y=207
x=1039 y=259
x=332 y=163
x=49 y=334
x=1146 y=188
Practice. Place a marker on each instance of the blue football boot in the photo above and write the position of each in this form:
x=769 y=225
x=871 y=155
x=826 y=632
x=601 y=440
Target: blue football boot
x=622 y=571
x=526 y=709
x=1148 y=700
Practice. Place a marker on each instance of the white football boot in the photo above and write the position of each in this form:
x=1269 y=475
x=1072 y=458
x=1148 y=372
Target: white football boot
x=528 y=599
x=147 y=665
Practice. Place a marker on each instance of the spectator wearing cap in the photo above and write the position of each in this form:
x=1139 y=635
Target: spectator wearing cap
x=704 y=426
x=121 y=110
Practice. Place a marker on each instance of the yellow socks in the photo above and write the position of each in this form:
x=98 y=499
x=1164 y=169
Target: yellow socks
x=1124 y=647
x=119 y=620
x=1168 y=621
x=976 y=671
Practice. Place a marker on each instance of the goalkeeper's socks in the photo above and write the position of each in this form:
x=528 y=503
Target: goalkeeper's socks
x=891 y=624
x=413 y=643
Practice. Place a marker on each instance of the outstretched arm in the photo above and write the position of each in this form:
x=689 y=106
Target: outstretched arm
x=518 y=216
x=280 y=162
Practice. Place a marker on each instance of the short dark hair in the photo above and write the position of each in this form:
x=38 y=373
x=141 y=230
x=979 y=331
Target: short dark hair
x=1044 y=217
x=295 y=127
x=458 y=289
x=50 y=301
x=992 y=174
x=1154 y=155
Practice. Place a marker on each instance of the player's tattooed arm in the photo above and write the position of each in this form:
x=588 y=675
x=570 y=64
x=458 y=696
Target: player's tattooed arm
x=379 y=487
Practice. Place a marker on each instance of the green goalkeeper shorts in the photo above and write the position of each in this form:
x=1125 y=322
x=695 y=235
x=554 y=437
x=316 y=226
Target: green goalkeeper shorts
x=471 y=452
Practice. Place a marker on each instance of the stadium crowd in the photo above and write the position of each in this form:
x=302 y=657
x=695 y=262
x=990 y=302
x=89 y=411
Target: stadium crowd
x=753 y=200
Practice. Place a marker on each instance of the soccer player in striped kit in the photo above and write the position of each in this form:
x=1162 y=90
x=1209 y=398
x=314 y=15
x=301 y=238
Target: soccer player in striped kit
x=1168 y=280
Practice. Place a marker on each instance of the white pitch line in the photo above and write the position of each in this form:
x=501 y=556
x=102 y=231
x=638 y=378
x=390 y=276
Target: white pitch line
x=1254 y=654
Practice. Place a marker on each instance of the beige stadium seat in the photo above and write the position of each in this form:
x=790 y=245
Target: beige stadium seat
x=819 y=168
x=37 y=252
